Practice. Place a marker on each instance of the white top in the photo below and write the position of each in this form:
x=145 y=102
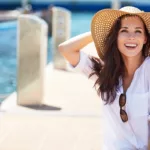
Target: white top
x=133 y=134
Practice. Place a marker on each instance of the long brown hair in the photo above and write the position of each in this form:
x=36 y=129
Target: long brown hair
x=113 y=68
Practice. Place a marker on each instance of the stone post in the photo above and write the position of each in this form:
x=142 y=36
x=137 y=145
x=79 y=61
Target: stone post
x=61 y=29
x=116 y=4
x=32 y=58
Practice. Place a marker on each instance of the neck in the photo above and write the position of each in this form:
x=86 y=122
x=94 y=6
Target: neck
x=132 y=64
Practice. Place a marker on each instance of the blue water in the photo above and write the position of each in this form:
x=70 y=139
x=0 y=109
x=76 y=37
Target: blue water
x=81 y=22
x=8 y=43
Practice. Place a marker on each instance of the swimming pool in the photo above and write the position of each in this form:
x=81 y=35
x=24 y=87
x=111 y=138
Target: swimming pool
x=8 y=62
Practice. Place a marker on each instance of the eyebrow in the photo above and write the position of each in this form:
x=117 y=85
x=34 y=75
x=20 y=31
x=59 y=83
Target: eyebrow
x=135 y=28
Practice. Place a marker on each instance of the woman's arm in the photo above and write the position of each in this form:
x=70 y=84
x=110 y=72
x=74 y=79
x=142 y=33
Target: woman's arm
x=70 y=49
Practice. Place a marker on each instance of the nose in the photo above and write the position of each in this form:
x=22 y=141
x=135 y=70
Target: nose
x=131 y=36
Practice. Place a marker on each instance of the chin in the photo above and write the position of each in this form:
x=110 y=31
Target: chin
x=132 y=54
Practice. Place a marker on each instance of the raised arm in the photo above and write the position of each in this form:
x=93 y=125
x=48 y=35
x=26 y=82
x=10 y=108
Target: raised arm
x=70 y=49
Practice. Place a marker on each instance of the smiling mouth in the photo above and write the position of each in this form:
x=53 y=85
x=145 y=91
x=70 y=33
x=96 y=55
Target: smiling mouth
x=130 y=46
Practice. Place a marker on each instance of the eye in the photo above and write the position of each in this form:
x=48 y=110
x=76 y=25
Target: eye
x=123 y=31
x=138 y=31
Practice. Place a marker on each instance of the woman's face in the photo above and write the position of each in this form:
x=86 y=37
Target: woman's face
x=131 y=36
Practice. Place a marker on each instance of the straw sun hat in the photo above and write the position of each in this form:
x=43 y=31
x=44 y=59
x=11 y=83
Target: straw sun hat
x=104 y=19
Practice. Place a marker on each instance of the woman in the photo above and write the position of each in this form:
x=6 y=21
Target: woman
x=121 y=73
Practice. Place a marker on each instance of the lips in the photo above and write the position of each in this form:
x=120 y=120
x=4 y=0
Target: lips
x=130 y=45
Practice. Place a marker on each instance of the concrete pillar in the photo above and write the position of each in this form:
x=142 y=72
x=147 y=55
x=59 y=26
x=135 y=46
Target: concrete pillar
x=32 y=58
x=116 y=4
x=24 y=3
x=61 y=31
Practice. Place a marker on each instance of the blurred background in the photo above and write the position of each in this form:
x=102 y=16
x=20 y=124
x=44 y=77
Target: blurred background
x=82 y=12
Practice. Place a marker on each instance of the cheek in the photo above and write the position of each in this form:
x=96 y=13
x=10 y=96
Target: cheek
x=121 y=37
x=141 y=38
x=120 y=41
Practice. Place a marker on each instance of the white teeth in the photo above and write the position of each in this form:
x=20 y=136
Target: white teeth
x=131 y=45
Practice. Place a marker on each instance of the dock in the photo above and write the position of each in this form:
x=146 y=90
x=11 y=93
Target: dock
x=68 y=119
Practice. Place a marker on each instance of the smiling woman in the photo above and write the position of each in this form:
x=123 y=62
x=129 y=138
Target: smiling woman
x=131 y=36
x=121 y=73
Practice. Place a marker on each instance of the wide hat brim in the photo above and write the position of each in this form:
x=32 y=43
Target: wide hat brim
x=103 y=21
